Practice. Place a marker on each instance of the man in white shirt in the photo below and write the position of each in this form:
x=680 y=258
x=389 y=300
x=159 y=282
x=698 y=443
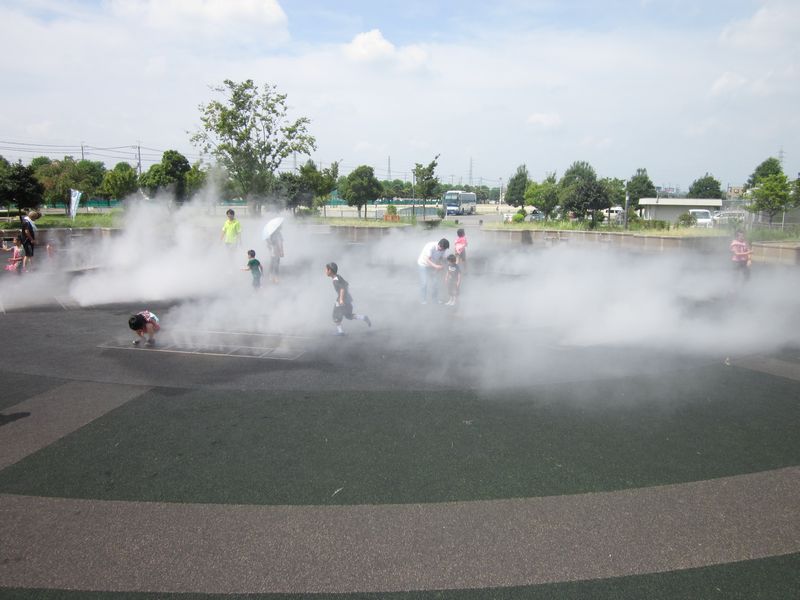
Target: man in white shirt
x=430 y=264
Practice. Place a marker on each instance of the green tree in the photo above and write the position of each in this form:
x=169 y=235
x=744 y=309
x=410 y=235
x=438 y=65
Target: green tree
x=326 y=183
x=427 y=184
x=249 y=134
x=572 y=192
x=772 y=195
x=119 y=182
x=361 y=187
x=58 y=177
x=195 y=180
x=167 y=176
x=639 y=186
x=706 y=187
x=594 y=196
x=176 y=166
x=615 y=188
x=544 y=195
x=771 y=166
x=517 y=185
x=19 y=186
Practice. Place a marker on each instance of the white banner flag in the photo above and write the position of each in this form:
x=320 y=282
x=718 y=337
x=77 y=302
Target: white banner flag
x=75 y=197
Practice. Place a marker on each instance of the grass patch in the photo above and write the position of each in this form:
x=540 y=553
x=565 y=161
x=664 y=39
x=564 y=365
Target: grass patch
x=84 y=220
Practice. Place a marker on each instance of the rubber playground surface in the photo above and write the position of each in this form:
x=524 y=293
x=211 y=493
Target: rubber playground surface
x=228 y=464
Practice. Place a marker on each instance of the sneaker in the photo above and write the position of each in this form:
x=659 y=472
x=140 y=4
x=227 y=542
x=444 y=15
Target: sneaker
x=137 y=342
x=367 y=321
x=150 y=343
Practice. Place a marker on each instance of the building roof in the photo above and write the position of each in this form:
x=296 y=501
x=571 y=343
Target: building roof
x=687 y=202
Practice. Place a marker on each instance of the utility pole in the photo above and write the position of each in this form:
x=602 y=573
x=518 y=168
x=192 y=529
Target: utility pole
x=389 y=170
x=82 y=156
x=470 y=171
x=139 y=158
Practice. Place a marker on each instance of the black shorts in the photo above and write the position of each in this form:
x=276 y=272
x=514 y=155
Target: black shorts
x=343 y=311
x=28 y=246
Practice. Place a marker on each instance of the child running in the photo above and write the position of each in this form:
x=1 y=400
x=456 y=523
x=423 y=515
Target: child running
x=453 y=279
x=344 y=302
x=144 y=324
x=255 y=268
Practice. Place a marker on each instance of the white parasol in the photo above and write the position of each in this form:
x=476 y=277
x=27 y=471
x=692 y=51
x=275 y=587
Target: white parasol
x=271 y=227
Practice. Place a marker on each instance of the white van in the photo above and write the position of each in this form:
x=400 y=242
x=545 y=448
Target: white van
x=702 y=216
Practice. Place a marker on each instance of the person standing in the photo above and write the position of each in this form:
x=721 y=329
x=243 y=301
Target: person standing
x=460 y=247
x=231 y=231
x=275 y=244
x=430 y=264
x=741 y=255
x=28 y=234
x=343 y=309
x=453 y=279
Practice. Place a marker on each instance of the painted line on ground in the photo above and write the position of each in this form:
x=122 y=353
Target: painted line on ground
x=58 y=412
x=162 y=547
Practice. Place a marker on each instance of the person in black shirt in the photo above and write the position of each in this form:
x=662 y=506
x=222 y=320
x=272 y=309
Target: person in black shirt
x=343 y=309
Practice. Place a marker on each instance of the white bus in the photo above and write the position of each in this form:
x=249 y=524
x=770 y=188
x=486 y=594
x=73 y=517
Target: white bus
x=457 y=202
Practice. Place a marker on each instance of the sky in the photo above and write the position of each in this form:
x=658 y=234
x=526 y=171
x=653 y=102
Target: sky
x=680 y=88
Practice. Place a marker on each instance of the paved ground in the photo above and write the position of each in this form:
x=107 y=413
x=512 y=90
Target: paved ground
x=279 y=463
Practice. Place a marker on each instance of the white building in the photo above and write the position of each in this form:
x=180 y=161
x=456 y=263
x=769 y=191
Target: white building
x=669 y=209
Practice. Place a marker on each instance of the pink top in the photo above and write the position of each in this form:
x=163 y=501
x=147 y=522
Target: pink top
x=460 y=244
x=740 y=251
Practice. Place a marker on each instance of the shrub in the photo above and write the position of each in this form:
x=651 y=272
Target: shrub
x=391 y=210
x=518 y=218
x=687 y=220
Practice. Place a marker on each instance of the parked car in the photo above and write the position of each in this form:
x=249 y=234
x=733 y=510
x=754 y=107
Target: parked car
x=535 y=215
x=729 y=217
x=702 y=217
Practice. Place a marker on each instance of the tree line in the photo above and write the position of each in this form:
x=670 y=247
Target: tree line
x=246 y=135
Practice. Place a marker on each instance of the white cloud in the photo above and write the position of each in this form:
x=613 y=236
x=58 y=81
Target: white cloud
x=545 y=120
x=231 y=22
x=728 y=82
x=773 y=25
x=373 y=47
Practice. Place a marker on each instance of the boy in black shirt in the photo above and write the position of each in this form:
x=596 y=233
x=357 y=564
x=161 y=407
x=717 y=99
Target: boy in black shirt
x=344 y=302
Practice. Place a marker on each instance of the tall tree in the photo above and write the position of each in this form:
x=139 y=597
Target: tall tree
x=771 y=166
x=58 y=177
x=119 y=182
x=195 y=180
x=615 y=188
x=427 y=184
x=167 y=176
x=772 y=195
x=250 y=135
x=544 y=195
x=19 y=186
x=639 y=186
x=706 y=187
x=572 y=192
x=517 y=185
x=361 y=188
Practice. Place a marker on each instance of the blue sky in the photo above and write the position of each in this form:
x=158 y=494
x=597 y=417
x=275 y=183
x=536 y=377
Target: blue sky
x=679 y=88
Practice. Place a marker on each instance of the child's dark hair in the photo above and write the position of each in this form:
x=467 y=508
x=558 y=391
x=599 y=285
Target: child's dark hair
x=18 y=238
x=137 y=322
x=251 y=253
x=451 y=258
x=333 y=267
x=444 y=244
x=230 y=212
x=460 y=233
